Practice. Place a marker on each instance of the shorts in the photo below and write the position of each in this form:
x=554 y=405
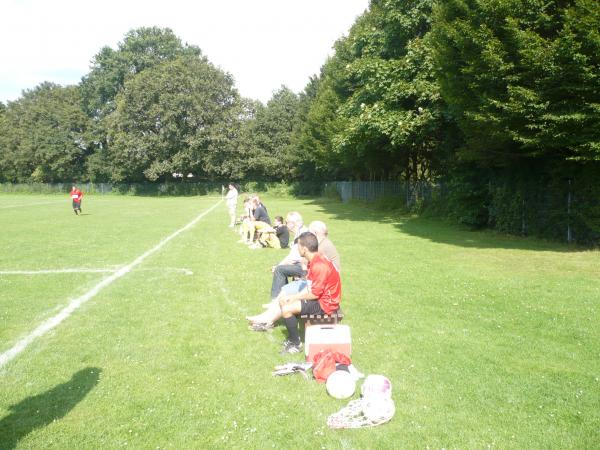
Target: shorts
x=308 y=307
x=294 y=287
x=76 y=205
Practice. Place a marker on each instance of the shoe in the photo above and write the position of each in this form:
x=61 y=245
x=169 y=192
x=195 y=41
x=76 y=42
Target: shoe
x=290 y=347
x=261 y=326
x=254 y=246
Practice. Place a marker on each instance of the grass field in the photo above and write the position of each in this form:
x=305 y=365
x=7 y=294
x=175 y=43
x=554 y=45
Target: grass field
x=490 y=341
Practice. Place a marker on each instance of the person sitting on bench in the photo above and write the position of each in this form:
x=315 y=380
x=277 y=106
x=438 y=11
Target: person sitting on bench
x=321 y=295
x=259 y=219
x=266 y=320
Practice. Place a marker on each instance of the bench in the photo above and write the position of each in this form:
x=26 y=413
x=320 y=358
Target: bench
x=314 y=319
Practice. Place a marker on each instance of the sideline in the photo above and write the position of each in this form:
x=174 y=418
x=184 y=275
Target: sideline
x=53 y=322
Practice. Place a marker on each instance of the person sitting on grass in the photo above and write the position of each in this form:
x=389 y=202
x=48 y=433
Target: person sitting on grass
x=276 y=237
x=321 y=295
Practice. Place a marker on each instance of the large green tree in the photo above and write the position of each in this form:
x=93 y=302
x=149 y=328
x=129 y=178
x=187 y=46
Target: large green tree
x=522 y=77
x=172 y=118
x=42 y=136
x=378 y=112
x=266 y=140
x=141 y=49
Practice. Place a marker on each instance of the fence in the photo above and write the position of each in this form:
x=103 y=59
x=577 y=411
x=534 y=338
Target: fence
x=370 y=191
x=561 y=211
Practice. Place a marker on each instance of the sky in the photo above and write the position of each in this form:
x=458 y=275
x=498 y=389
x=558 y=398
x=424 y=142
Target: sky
x=263 y=43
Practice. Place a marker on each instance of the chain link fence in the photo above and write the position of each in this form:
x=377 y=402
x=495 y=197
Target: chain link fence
x=370 y=191
x=563 y=210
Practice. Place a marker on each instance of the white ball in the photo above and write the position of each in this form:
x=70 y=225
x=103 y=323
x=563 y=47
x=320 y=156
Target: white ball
x=340 y=384
x=377 y=386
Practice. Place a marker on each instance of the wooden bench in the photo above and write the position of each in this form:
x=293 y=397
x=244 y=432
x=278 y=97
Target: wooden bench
x=317 y=319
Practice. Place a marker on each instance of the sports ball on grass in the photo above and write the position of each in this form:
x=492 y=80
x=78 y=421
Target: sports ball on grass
x=377 y=386
x=340 y=384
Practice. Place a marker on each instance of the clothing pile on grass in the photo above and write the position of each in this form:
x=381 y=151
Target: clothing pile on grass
x=375 y=405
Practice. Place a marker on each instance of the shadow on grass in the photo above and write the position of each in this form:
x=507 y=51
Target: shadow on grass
x=437 y=230
x=42 y=409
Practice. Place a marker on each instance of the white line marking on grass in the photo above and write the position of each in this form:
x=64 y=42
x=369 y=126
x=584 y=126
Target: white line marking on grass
x=33 y=204
x=52 y=322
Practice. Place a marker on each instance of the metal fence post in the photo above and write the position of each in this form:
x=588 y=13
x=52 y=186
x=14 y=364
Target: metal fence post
x=569 y=236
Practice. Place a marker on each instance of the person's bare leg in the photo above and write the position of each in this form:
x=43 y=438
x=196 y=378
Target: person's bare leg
x=271 y=315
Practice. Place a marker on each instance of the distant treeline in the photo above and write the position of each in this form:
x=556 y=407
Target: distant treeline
x=497 y=100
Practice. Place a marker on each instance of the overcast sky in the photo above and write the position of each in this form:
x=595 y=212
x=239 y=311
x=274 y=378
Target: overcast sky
x=262 y=43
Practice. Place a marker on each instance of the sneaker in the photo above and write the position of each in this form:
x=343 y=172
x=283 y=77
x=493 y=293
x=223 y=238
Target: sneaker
x=291 y=347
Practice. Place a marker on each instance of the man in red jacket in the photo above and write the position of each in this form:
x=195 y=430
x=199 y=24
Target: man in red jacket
x=321 y=296
x=76 y=196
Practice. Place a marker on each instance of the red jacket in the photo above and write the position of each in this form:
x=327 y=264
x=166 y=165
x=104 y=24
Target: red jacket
x=325 y=283
x=76 y=195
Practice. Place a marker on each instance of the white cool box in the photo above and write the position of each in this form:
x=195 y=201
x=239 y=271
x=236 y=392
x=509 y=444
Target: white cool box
x=320 y=337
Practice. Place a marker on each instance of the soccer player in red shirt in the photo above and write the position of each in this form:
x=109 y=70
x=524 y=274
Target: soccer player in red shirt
x=76 y=196
x=321 y=296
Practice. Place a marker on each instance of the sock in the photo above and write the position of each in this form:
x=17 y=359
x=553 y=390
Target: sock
x=291 y=323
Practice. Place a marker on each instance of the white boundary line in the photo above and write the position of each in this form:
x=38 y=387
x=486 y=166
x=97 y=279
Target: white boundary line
x=52 y=322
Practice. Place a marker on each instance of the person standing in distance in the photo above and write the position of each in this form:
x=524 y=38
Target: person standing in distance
x=231 y=200
x=76 y=196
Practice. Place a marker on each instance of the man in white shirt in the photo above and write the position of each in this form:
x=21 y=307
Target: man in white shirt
x=231 y=201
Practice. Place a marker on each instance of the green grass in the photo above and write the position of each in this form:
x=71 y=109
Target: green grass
x=489 y=341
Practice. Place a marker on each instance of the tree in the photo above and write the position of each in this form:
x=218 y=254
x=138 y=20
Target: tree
x=173 y=117
x=141 y=49
x=317 y=126
x=42 y=136
x=377 y=112
x=272 y=135
x=522 y=77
